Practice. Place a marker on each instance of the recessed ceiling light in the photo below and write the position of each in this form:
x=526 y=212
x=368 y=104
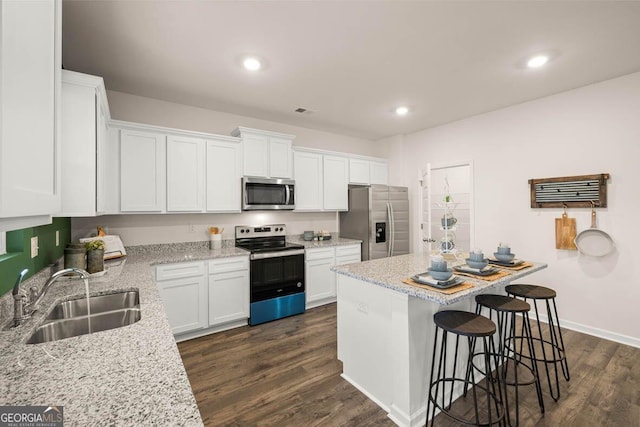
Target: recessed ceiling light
x=537 y=61
x=252 y=63
x=402 y=110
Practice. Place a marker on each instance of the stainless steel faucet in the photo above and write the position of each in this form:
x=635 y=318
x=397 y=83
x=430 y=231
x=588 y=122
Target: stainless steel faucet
x=24 y=306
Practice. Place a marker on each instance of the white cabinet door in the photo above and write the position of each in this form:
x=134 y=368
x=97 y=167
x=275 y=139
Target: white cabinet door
x=228 y=290
x=185 y=302
x=142 y=171
x=308 y=177
x=185 y=174
x=183 y=290
x=359 y=171
x=256 y=155
x=336 y=183
x=280 y=164
x=320 y=281
x=228 y=297
x=224 y=173
x=30 y=85
x=83 y=145
x=378 y=173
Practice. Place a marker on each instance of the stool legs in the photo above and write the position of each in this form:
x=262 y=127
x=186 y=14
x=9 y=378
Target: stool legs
x=556 y=344
x=442 y=398
x=510 y=357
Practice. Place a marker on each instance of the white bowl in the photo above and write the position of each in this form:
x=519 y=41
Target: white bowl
x=441 y=275
x=504 y=257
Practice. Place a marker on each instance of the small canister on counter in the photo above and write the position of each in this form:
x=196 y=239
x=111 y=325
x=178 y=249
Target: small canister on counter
x=75 y=256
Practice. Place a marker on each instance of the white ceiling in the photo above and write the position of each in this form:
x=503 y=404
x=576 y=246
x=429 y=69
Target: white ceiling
x=350 y=62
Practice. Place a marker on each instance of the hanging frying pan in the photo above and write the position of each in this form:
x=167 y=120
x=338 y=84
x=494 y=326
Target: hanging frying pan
x=594 y=242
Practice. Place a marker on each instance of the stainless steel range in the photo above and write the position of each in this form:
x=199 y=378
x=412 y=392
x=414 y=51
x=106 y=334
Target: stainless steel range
x=276 y=270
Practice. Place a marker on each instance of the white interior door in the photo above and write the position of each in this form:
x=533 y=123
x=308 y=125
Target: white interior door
x=446 y=192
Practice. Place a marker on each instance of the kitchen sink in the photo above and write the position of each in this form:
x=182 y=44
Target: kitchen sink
x=70 y=318
x=99 y=304
x=72 y=327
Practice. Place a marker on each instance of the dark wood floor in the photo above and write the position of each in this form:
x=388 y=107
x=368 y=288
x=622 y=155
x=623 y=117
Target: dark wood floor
x=285 y=373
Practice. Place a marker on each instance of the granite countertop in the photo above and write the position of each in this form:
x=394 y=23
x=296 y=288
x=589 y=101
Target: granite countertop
x=390 y=272
x=126 y=376
x=335 y=241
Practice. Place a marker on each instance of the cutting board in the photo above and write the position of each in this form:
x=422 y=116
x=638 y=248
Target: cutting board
x=565 y=232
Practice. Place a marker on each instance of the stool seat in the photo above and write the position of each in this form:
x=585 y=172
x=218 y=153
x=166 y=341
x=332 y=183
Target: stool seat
x=530 y=291
x=464 y=323
x=503 y=303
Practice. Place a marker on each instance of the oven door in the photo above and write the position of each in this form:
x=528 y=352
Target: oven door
x=276 y=274
x=277 y=286
x=267 y=194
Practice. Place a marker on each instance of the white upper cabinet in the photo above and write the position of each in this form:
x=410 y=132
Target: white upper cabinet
x=185 y=174
x=359 y=171
x=224 y=173
x=378 y=172
x=30 y=66
x=336 y=183
x=266 y=154
x=85 y=114
x=365 y=172
x=280 y=157
x=142 y=171
x=308 y=177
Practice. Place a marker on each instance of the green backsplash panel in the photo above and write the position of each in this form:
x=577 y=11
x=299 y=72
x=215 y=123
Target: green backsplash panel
x=18 y=256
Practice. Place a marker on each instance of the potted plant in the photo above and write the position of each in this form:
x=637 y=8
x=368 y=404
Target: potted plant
x=95 y=256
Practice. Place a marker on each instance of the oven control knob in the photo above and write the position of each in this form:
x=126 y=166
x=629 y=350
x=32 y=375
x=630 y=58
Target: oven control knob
x=299 y=284
x=242 y=230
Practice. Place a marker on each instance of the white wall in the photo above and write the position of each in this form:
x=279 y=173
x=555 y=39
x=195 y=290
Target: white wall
x=139 y=109
x=591 y=130
x=172 y=228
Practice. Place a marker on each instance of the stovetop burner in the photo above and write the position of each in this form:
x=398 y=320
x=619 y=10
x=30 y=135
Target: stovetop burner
x=264 y=238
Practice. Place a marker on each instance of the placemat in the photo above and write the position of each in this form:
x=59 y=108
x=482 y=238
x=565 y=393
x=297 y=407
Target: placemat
x=514 y=268
x=461 y=287
x=490 y=278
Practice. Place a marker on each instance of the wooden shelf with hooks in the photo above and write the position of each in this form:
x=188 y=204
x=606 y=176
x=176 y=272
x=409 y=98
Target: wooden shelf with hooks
x=583 y=191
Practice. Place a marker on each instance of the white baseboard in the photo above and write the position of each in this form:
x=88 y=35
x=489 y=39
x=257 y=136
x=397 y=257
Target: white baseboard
x=596 y=332
x=363 y=391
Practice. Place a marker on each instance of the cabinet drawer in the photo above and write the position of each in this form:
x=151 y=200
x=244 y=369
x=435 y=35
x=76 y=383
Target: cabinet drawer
x=222 y=265
x=179 y=270
x=324 y=253
x=348 y=250
x=348 y=259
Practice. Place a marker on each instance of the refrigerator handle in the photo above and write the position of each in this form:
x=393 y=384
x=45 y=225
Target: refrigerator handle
x=391 y=228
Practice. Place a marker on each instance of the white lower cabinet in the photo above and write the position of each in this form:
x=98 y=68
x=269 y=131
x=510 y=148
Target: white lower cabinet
x=183 y=290
x=320 y=281
x=204 y=297
x=228 y=290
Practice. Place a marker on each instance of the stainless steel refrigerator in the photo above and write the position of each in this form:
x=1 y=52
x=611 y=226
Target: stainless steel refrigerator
x=379 y=216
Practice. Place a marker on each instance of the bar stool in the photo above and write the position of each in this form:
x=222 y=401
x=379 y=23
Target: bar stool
x=552 y=343
x=504 y=310
x=443 y=380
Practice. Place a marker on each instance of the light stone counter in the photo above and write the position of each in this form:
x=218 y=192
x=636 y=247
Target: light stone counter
x=126 y=376
x=390 y=272
x=335 y=241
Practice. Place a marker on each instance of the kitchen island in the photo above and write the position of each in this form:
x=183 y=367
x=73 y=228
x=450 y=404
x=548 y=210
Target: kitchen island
x=131 y=375
x=385 y=329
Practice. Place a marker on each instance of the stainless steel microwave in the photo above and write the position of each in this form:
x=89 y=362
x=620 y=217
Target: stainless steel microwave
x=267 y=194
